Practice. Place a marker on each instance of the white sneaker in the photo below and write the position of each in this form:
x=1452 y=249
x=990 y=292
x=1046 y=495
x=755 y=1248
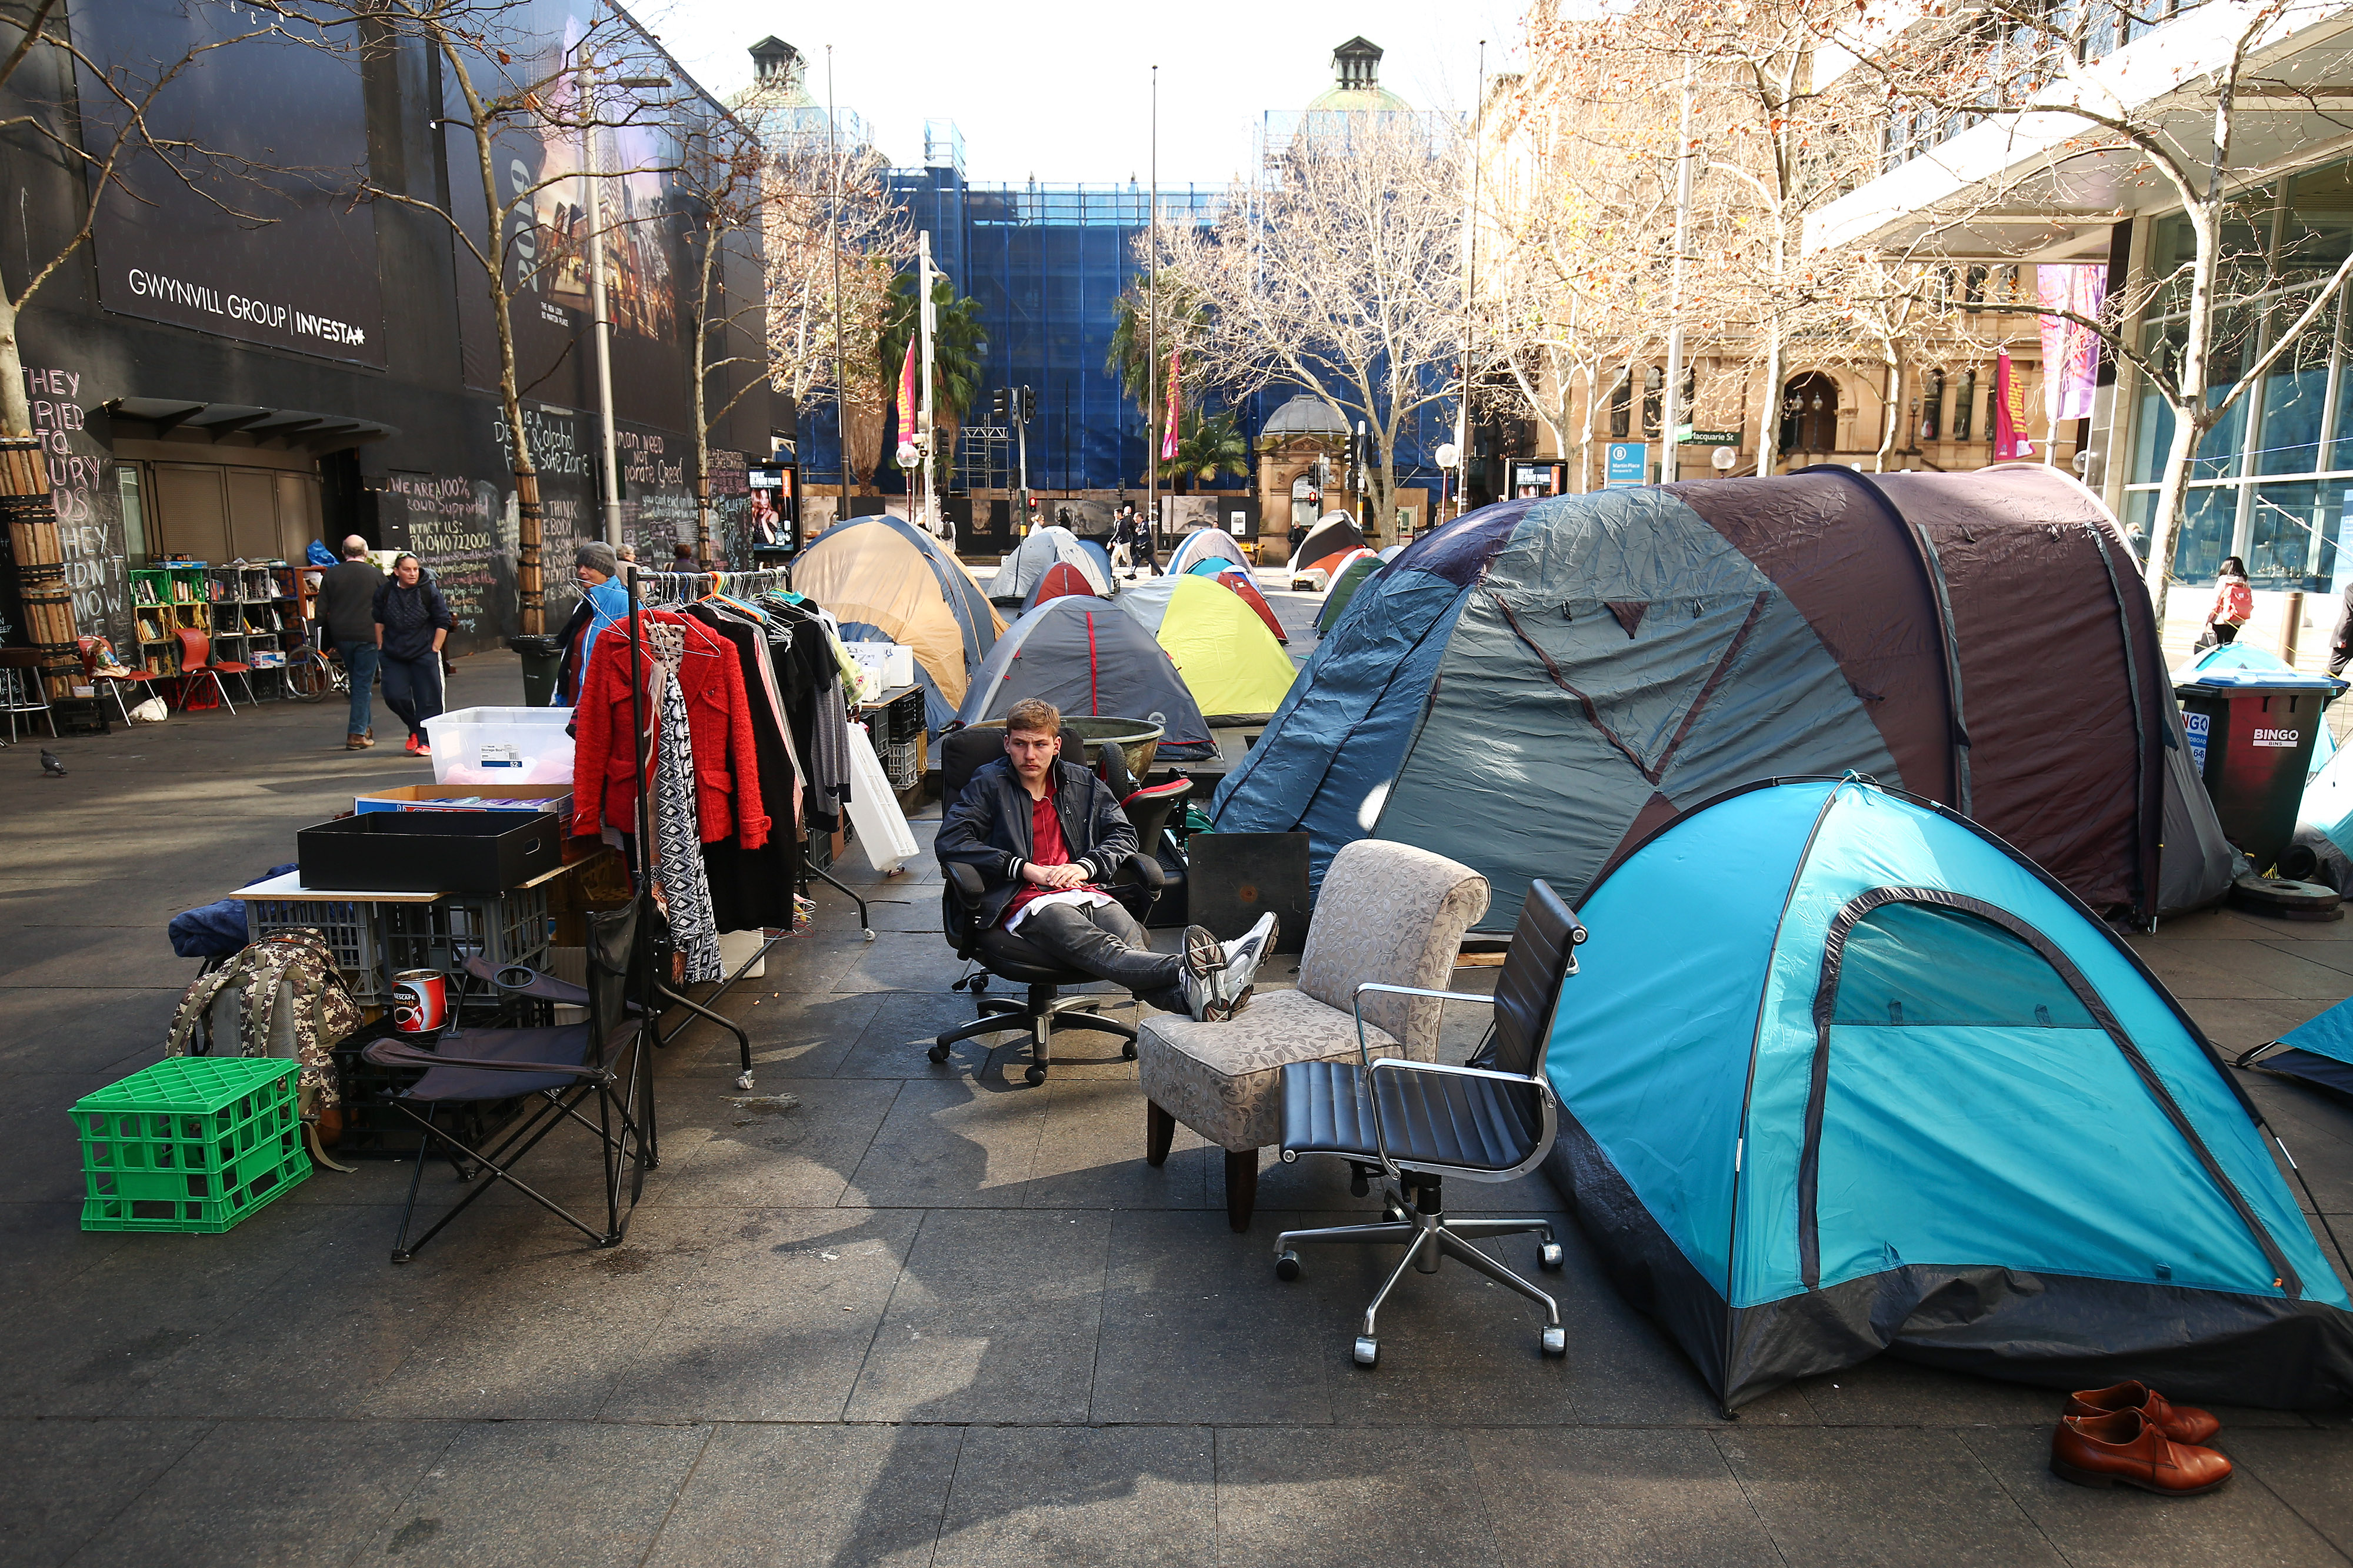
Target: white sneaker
x=1203 y=976
x=1243 y=955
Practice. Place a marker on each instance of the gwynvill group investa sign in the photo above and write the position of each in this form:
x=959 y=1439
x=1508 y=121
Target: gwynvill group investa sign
x=261 y=241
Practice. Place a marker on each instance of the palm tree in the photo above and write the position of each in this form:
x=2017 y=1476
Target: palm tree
x=1205 y=447
x=959 y=349
x=1181 y=319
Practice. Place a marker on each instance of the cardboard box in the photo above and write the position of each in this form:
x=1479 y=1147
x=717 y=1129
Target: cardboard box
x=467 y=797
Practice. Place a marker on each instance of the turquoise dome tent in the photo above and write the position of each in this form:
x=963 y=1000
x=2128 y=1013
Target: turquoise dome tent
x=1900 y=1092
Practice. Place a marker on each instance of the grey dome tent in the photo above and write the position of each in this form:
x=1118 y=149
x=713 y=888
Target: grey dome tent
x=1534 y=688
x=1036 y=556
x=1898 y=1092
x=1086 y=656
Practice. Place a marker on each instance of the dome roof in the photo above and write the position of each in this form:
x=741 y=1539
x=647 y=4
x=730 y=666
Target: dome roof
x=1351 y=99
x=1305 y=414
x=1356 y=83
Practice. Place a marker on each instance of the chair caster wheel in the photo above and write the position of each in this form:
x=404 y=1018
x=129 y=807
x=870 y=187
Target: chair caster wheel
x=1549 y=1255
x=937 y=1053
x=1556 y=1342
x=1127 y=1051
x=979 y=983
x=744 y=1081
x=1286 y=1265
x=1036 y=1075
x=1369 y=1349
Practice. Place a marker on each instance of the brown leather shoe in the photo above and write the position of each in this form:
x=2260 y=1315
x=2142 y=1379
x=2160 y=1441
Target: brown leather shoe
x=2182 y=1423
x=2100 y=1450
x=356 y=742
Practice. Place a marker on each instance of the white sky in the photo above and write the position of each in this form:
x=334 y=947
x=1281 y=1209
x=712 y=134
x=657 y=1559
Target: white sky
x=1063 y=91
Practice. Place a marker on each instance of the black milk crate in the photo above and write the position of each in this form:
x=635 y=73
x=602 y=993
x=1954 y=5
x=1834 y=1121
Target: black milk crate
x=902 y=721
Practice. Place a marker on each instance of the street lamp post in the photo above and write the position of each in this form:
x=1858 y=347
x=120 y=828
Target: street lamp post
x=1670 y=464
x=608 y=457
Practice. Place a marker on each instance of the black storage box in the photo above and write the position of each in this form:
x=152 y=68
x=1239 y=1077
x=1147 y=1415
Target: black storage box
x=429 y=851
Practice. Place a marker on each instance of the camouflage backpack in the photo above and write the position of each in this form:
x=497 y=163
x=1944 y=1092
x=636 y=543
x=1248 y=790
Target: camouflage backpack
x=292 y=1001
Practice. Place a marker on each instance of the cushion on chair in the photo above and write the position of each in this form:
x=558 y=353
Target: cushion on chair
x=1394 y=913
x=1436 y=1119
x=1016 y=958
x=1224 y=1080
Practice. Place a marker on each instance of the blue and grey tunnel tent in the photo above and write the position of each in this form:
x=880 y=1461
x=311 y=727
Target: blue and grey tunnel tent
x=1087 y=655
x=1841 y=1073
x=1533 y=688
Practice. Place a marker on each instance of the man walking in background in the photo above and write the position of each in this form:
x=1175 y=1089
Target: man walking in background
x=346 y=609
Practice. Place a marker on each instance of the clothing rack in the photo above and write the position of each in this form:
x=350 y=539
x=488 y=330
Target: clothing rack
x=663 y=589
x=656 y=590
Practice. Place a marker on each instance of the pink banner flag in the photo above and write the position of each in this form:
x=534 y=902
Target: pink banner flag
x=2009 y=413
x=1176 y=411
x=2070 y=350
x=910 y=407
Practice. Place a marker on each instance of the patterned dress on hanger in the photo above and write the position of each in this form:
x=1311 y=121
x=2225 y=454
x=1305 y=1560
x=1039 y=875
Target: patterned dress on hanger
x=679 y=878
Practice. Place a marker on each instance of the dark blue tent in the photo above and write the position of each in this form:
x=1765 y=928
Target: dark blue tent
x=2318 y=1052
x=1841 y=1073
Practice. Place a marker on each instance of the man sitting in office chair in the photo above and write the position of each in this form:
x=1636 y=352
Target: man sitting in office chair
x=1043 y=832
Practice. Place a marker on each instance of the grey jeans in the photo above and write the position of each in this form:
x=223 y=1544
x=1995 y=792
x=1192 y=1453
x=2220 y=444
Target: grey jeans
x=1106 y=942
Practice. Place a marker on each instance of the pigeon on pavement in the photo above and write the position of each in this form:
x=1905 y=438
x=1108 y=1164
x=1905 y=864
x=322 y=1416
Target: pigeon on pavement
x=51 y=767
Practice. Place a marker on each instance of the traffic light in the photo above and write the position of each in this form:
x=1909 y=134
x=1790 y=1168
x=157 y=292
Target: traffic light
x=1000 y=402
x=1029 y=406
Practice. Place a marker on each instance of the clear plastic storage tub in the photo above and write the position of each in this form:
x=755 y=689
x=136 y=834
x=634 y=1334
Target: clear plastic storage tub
x=500 y=746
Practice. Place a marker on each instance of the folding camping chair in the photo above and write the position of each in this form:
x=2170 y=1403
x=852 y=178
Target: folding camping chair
x=556 y=1071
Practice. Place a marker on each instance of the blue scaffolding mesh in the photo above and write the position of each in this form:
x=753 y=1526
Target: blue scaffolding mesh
x=1046 y=263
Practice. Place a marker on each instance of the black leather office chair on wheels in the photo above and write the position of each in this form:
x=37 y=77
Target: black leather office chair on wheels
x=1007 y=955
x=1411 y=1124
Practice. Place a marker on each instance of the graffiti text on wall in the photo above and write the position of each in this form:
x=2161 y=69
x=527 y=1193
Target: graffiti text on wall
x=89 y=527
x=451 y=530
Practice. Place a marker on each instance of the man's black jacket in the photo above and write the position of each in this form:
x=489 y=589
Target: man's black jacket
x=987 y=829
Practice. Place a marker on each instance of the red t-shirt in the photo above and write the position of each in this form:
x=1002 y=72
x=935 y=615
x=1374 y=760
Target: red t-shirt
x=1046 y=848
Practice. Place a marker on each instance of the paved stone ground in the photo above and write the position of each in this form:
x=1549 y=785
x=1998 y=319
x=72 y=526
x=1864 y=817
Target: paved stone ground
x=932 y=1316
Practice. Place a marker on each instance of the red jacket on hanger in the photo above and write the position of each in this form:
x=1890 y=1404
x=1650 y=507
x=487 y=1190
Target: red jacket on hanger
x=726 y=770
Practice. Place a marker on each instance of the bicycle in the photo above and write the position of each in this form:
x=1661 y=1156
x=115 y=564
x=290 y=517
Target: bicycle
x=310 y=674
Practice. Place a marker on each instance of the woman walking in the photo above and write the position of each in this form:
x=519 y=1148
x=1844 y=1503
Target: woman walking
x=412 y=622
x=2234 y=602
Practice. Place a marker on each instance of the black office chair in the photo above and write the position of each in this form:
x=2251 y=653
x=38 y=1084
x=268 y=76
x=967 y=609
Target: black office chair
x=1411 y=1124
x=1010 y=956
x=594 y=1074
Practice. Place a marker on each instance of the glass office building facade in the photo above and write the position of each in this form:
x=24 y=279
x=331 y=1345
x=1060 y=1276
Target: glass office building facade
x=2271 y=481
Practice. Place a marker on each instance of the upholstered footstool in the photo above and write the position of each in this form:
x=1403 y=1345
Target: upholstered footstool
x=1386 y=912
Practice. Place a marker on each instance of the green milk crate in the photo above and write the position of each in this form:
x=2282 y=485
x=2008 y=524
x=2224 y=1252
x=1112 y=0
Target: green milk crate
x=192 y=1143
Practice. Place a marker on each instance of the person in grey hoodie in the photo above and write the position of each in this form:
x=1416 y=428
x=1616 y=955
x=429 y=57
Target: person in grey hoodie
x=412 y=622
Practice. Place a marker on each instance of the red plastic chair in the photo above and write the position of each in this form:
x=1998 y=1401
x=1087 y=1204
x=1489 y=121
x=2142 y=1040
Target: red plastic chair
x=197 y=663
